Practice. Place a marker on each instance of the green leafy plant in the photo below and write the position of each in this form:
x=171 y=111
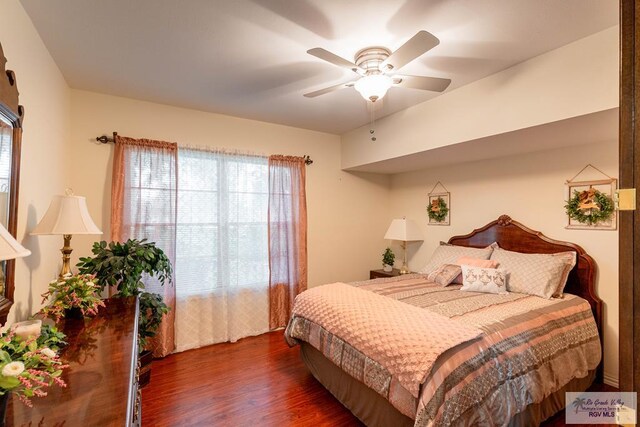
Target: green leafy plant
x=438 y=209
x=71 y=292
x=388 y=257
x=152 y=308
x=590 y=216
x=52 y=338
x=122 y=265
x=29 y=366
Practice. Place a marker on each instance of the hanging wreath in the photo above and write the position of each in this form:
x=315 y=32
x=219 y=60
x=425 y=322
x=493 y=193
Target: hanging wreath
x=438 y=209
x=589 y=207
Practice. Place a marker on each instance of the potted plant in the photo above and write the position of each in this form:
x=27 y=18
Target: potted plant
x=121 y=265
x=388 y=258
x=72 y=296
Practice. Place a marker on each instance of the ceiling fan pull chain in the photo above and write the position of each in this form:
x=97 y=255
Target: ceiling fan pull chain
x=372 y=120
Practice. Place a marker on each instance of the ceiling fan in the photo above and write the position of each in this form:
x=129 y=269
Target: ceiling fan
x=377 y=67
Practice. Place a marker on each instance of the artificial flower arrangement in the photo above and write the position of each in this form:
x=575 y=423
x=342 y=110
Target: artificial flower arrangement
x=78 y=292
x=29 y=361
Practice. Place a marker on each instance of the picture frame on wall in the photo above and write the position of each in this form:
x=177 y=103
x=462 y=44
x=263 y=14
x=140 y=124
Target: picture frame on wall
x=439 y=208
x=582 y=194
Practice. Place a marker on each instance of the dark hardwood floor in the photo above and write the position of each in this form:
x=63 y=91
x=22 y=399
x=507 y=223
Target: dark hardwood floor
x=258 y=381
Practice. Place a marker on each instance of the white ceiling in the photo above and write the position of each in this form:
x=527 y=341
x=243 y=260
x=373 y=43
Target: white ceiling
x=248 y=58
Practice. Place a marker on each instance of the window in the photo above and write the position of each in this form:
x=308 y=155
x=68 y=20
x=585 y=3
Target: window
x=209 y=211
x=222 y=252
x=221 y=222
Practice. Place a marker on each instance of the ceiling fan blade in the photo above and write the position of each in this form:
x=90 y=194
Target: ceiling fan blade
x=325 y=55
x=422 y=42
x=328 y=89
x=434 y=84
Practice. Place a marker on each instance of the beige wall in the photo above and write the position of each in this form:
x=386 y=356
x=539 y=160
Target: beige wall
x=531 y=190
x=343 y=208
x=46 y=99
x=576 y=79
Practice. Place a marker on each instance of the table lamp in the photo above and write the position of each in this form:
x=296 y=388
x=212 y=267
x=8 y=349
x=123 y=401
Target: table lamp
x=67 y=215
x=9 y=247
x=404 y=230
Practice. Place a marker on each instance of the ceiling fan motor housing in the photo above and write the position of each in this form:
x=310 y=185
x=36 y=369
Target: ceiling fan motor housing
x=370 y=58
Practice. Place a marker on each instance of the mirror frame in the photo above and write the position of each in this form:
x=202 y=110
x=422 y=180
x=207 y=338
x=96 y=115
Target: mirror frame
x=13 y=111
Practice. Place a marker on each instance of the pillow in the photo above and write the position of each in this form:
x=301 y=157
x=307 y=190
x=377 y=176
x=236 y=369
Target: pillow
x=449 y=254
x=543 y=275
x=487 y=280
x=474 y=262
x=477 y=262
x=445 y=274
x=565 y=275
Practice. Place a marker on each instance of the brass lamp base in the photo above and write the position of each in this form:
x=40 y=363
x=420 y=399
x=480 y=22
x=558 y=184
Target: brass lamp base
x=66 y=257
x=405 y=267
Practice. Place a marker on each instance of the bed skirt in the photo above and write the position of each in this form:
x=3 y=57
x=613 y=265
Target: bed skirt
x=375 y=411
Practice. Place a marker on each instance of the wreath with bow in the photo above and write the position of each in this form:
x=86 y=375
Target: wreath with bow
x=438 y=209
x=589 y=206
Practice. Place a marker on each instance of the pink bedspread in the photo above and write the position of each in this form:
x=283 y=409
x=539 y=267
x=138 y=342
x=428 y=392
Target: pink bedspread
x=404 y=339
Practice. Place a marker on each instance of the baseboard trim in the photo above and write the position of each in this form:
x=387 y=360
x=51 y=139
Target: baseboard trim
x=611 y=380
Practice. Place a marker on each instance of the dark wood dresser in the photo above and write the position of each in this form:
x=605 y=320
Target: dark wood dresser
x=102 y=378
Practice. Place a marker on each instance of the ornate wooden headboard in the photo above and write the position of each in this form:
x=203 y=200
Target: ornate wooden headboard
x=513 y=236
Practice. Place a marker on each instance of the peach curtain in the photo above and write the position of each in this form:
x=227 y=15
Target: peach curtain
x=287 y=218
x=144 y=206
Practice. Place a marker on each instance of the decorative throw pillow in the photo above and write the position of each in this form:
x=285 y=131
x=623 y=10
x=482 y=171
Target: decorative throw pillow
x=445 y=274
x=474 y=262
x=449 y=254
x=487 y=280
x=543 y=275
x=565 y=275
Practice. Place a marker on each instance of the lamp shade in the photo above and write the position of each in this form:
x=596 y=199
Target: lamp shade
x=67 y=214
x=405 y=230
x=9 y=247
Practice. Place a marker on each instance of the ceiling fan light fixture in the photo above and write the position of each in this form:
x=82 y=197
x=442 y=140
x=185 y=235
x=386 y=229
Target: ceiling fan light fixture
x=373 y=86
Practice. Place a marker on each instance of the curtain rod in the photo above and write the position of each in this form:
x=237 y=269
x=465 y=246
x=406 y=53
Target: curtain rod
x=104 y=139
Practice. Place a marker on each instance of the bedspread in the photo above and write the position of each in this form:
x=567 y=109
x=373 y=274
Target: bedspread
x=529 y=348
x=405 y=339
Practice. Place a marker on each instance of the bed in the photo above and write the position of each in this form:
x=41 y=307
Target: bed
x=490 y=359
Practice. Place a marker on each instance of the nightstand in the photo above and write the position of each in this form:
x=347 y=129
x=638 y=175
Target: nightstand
x=377 y=274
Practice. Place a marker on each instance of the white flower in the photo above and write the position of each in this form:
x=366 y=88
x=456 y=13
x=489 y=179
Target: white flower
x=13 y=369
x=91 y=284
x=48 y=352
